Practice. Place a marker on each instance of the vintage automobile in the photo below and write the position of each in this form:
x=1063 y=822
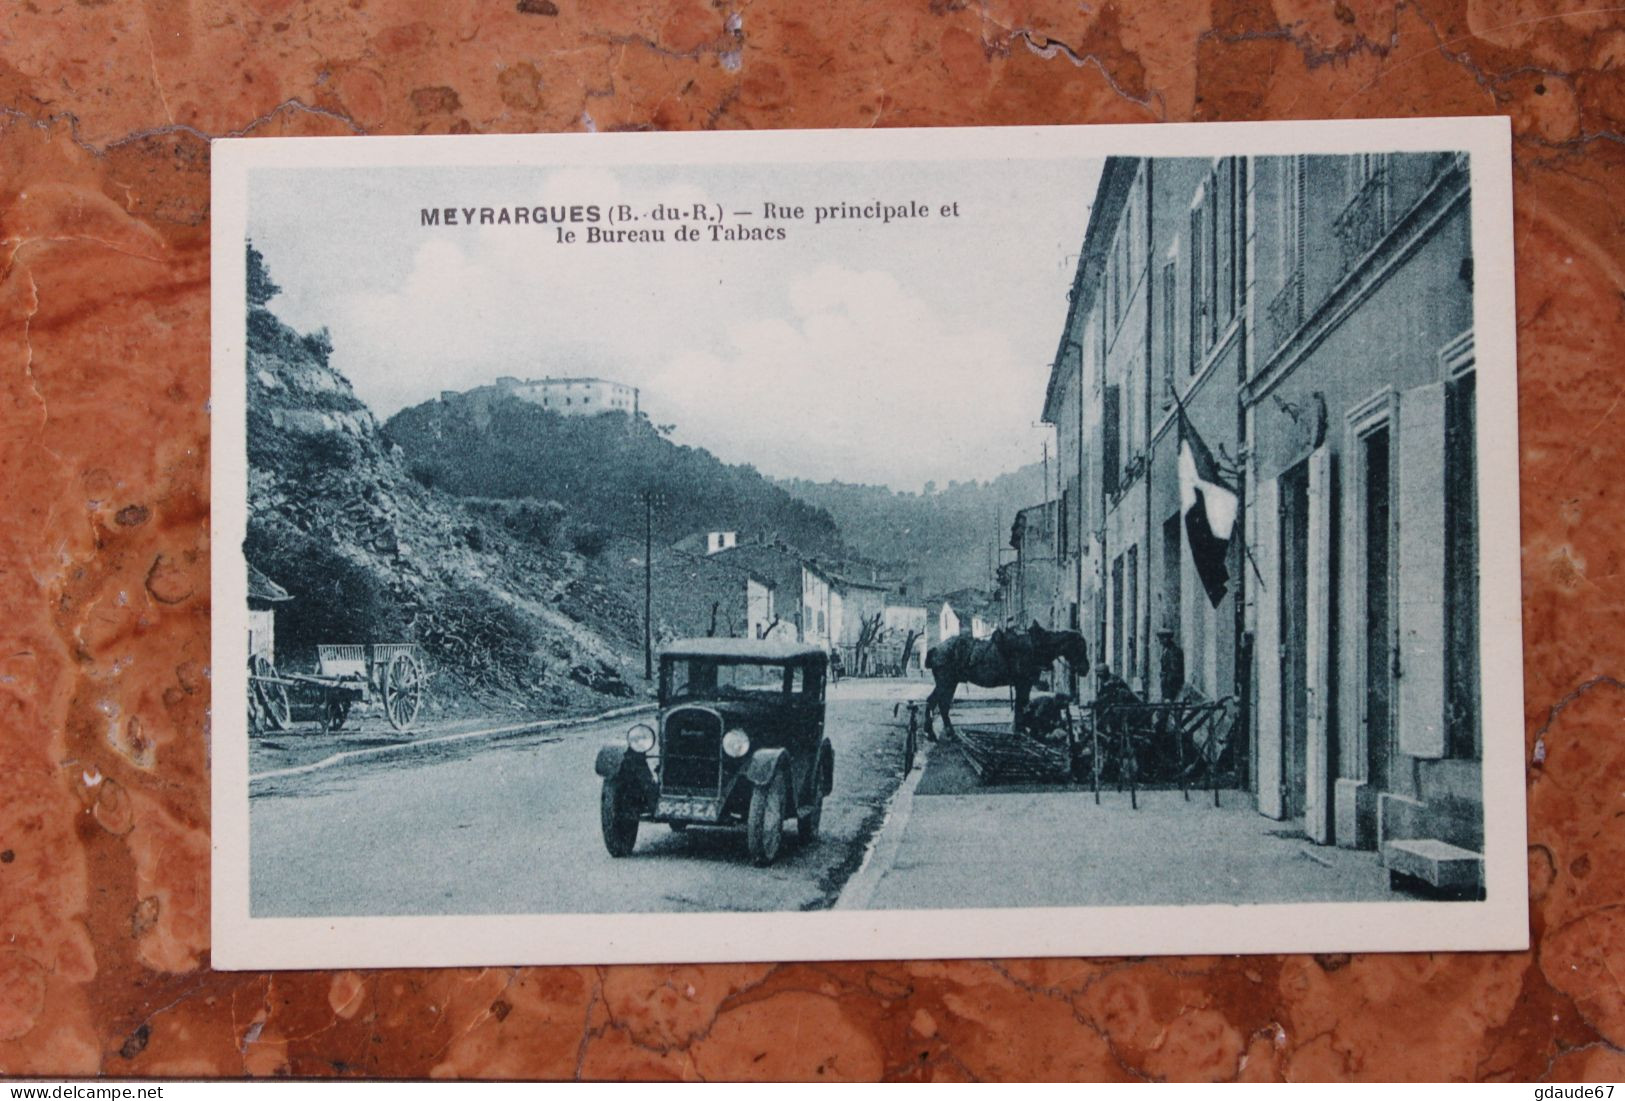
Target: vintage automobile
x=738 y=741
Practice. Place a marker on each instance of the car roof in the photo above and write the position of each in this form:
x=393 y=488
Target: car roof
x=743 y=649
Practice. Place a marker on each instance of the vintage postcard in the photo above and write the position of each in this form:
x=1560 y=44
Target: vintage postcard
x=772 y=546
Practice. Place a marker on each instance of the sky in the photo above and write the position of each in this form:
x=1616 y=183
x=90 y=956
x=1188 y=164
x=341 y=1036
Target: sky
x=890 y=354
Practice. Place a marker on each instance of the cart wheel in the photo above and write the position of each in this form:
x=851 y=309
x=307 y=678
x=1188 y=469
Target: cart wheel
x=334 y=711
x=270 y=694
x=403 y=691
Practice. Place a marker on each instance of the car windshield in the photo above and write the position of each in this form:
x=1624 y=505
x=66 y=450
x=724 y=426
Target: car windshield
x=701 y=678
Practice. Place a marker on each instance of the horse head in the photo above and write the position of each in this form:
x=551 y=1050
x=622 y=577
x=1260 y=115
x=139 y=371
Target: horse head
x=1070 y=645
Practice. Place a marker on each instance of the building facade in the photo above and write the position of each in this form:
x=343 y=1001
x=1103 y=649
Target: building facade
x=574 y=397
x=1311 y=317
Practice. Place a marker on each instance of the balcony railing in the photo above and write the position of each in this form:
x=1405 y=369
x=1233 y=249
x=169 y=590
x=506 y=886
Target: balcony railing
x=1363 y=222
x=1286 y=309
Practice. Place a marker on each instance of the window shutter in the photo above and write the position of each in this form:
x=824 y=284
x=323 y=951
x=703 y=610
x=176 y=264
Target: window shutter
x=1317 y=814
x=1267 y=649
x=1110 y=425
x=1420 y=549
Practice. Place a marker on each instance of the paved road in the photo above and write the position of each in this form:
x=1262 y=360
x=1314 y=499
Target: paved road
x=511 y=826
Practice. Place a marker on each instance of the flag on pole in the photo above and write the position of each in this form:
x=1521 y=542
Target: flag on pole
x=1209 y=505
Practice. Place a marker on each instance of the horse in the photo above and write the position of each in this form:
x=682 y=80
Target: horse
x=1013 y=658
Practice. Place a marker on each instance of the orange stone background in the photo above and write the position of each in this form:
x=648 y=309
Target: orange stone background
x=106 y=111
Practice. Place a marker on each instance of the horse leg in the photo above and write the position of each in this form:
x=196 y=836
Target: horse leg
x=1024 y=692
x=945 y=703
x=930 y=705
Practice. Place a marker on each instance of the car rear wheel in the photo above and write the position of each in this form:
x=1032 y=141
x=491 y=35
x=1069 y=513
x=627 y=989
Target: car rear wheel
x=764 y=833
x=808 y=823
x=618 y=817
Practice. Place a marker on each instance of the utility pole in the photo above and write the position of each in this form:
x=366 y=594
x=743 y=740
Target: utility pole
x=648 y=585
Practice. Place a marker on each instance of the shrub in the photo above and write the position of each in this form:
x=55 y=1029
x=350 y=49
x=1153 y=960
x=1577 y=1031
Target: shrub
x=481 y=639
x=589 y=540
x=536 y=522
x=335 y=599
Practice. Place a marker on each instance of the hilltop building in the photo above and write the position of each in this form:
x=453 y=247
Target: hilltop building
x=574 y=397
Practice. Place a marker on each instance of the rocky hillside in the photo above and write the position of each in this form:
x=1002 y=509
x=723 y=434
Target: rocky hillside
x=370 y=554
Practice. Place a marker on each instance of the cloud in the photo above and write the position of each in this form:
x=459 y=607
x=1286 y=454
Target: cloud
x=862 y=381
x=883 y=354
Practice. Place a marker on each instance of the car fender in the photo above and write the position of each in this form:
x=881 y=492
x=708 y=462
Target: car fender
x=610 y=758
x=763 y=764
x=630 y=767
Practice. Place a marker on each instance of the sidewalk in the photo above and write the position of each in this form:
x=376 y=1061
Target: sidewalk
x=948 y=844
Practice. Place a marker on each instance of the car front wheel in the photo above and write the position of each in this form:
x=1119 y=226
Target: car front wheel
x=618 y=817
x=764 y=833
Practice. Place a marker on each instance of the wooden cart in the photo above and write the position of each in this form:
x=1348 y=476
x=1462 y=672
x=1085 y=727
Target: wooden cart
x=388 y=674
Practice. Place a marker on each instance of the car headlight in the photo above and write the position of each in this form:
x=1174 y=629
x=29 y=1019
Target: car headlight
x=641 y=738
x=736 y=743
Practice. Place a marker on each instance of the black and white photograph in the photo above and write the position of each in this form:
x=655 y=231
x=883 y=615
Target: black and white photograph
x=815 y=545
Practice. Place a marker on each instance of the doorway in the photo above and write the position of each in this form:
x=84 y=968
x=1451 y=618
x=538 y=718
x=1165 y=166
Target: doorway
x=1294 y=552
x=1378 y=656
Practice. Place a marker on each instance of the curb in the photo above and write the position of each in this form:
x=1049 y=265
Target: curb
x=887 y=840
x=492 y=732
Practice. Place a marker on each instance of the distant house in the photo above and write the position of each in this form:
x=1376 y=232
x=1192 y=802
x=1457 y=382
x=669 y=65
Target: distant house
x=699 y=595
x=798 y=598
x=263 y=597
x=942 y=621
x=904 y=620
x=859 y=602
x=974 y=612
x=707 y=542
x=1030 y=586
x=821 y=607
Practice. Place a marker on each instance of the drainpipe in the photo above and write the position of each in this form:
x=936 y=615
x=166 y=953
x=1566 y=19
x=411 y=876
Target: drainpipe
x=1239 y=647
x=1150 y=444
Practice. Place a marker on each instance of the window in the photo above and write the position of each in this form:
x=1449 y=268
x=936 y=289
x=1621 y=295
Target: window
x=1132 y=614
x=1364 y=220
x=1061 y=548
x=1289 y=206
x=1117 y=615
x=1217 y=236
x=1168 y=316
x=1110 y=443
x=1129 y=434
x=1171 y=580
x=1198 y=304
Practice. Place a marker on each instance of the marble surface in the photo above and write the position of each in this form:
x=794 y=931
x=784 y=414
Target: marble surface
x=105 y=114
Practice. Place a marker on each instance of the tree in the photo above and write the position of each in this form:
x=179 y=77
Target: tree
x=260 y=288
x=866 y=636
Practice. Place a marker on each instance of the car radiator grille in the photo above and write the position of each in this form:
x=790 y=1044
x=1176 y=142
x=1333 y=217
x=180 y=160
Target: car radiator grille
x=693 y=753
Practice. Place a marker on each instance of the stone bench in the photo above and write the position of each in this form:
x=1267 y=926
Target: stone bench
x=1446 y=868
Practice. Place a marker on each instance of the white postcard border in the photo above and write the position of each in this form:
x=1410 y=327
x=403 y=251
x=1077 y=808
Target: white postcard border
x=241 y=941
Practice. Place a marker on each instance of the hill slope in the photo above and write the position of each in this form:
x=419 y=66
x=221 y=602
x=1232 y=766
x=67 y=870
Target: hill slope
x=370 y=554
x=946 y=539
x=487 y=443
